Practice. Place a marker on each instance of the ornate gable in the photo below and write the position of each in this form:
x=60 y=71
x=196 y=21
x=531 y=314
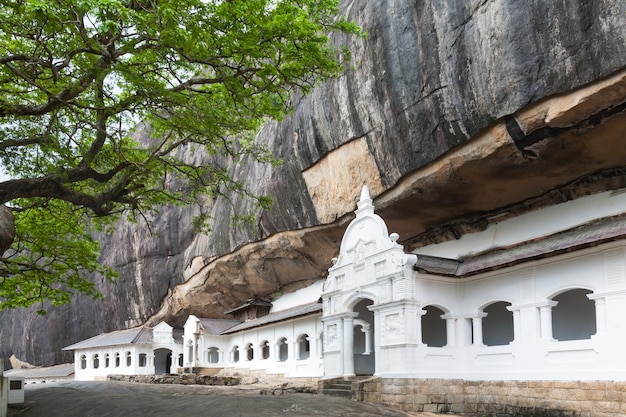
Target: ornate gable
x=367 y=254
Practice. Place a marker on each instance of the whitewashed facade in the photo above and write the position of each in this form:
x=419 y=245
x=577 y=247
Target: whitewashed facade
x=287 y=341
x=137 y=351
x=541 y=296
x=555 y=318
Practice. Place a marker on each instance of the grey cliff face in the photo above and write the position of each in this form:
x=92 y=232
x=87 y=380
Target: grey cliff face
x=431 y=78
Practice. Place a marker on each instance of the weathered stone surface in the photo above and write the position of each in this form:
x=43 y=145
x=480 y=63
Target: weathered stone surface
x=423 y=118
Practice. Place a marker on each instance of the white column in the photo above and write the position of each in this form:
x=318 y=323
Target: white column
x=600 y=303
x=477 y=327
x=348 y=346
x=319 y=346
x=418 y=326
x=464 y=331
x=368 y=340
x=296 y=345
x=517 y=323
x=196 y=346
x=450 y=330
x=545 y=317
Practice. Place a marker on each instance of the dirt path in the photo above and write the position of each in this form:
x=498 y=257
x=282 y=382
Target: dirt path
x=114 y=399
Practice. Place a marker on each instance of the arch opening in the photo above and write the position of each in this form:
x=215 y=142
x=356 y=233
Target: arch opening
x=162 y=361
x=498 y=324
x=434 y=327
x=574 y=317
x=363 y=335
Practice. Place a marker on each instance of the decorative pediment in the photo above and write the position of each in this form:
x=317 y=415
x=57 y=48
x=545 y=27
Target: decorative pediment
x=366 y=235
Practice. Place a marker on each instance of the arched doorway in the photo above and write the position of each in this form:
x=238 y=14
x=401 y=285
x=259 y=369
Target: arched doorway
x=162 y=361
x=363 y=336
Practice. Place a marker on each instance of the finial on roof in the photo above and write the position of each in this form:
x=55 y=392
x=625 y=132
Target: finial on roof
x=365 y=202
x=365 y=193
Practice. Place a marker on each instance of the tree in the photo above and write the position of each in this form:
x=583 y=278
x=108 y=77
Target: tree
x=78 y=77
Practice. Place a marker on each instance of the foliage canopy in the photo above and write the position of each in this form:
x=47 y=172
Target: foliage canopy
x=78 y=77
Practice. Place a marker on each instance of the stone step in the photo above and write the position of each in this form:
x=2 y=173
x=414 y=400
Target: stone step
x=340 y=383
x=337 y=392
x=339 y=387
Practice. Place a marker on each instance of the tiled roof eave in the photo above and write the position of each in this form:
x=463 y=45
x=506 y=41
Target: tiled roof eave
x=587 y=235
x=277 y=317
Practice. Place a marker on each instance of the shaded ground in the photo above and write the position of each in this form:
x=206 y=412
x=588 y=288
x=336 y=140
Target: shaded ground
x=113 y=399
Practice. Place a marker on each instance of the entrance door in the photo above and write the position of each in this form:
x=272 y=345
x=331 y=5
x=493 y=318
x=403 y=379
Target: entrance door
x=364 y=358
x=162 y=361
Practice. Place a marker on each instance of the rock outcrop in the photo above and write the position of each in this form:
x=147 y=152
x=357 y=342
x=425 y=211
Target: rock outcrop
x=453 y=113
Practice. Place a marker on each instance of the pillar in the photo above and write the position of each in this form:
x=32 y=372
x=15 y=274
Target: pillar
x=600 y=303
x=418 y=326
x=348 y=346
x=464 y=331
x=545 y=320
x=517 y=323
x=450 y=330
x=319 y=345
x=368 y=340
x=477 y=328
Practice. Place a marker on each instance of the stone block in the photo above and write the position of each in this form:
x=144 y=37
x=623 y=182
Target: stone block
x=616 y=386
x=607 y=406
x=393 y=389
x=386 y=398
x=594 y=395
x=371 y=397
x=566 y=384
x=420 y=399
x=436 y=399
x=602 y=385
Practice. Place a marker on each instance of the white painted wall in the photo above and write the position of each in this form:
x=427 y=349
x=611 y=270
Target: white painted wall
x=371 y=266
x=294 y=366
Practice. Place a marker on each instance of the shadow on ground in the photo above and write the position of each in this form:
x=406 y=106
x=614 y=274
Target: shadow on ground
x=113 y=399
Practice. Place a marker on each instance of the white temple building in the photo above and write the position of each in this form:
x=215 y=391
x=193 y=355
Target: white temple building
x=138 y=351
x=541 y=296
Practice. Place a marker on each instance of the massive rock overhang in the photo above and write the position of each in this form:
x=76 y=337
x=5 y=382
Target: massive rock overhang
x=549 y=152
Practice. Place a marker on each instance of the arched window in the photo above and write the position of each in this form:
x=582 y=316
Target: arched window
x=434 y=327
x=143 y=360
x=129 y=358
x=265 y=349
x=213 y=355
x=574 y=317
x=106 y=361
x=96 y=361
x=117 y=360
x=235 y=351
x=304 y=348
x=249 y=352
x=498 y=324
x=283 y=349
x=83 y=361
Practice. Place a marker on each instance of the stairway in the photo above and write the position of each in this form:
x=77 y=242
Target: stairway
x=338 y=388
